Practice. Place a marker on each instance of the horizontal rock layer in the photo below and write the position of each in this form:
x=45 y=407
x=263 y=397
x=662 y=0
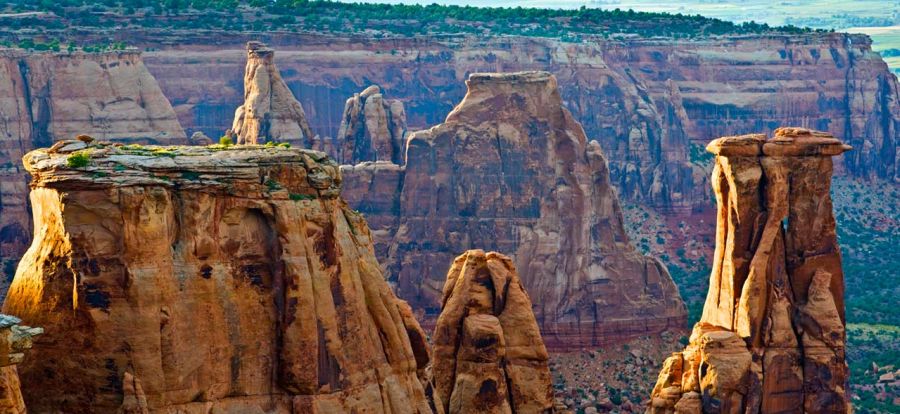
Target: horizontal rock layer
x=207 y=279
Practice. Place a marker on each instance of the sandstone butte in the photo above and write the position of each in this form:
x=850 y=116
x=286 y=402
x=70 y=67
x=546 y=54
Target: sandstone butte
x=15 y=339
x=511 y=170
x=488 y=352
x=207 y=279
x=651 y=103
x=772 y=335
x=46 y=97
x=270 y=112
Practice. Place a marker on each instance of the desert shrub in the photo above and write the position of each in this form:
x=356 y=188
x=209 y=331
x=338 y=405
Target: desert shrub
x=79 y=159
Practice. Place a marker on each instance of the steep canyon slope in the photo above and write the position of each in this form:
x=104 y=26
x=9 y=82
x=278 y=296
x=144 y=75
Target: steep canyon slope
x=207 y=279
x=647 y=101
x=46 y=97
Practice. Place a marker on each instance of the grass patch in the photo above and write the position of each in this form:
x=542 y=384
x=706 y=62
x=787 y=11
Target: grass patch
x=298 y=197
x=78 y=159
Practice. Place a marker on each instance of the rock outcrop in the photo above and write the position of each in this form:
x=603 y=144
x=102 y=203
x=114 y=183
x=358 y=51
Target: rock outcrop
x=270 y=113
x=372 y=129
x=488 y=352
x=46 y=97
x=772 y=335
x=207 y=279
x=511 y=170
x=15 y=339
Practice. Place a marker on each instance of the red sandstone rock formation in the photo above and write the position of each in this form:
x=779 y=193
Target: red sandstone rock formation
x=644 y=100
x=511 y=170
x=14 y=341
x=269 y=112
x=372 y=129
x=771 y=338
x=46 y=97
x=195 y=279
x=488 y=352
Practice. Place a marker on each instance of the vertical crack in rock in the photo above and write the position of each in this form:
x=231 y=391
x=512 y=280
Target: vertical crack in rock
x=772 y=335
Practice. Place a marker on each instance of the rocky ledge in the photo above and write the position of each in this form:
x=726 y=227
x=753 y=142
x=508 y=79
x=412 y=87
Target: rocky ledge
x=207 y=279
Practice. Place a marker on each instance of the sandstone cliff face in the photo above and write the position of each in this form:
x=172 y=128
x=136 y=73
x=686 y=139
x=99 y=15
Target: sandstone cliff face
x=488 y=352
x=372 y=129
x=771 y=338
x=511 y=170
x=45 y=97
x=643 y=100
x=14 y=341
x=270 y=113
x=208 y=279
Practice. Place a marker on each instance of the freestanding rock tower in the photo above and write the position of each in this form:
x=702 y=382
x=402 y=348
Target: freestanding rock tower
x=270 y=111
x=771 y=338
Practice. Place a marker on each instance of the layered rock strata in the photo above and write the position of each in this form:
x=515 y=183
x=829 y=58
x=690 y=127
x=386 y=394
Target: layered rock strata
x=15 y=339
x=207 y=279
x=270 y=113
x=372 y=129
x=46 y=97
x=772 y=335
x=488 y=352
x=511 y=170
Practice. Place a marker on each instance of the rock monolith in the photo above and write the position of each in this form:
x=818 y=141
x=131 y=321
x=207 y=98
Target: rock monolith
x=772 y=335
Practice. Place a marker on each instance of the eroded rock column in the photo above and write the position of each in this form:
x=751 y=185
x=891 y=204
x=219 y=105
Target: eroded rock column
x=488 y=352
x=771 y=337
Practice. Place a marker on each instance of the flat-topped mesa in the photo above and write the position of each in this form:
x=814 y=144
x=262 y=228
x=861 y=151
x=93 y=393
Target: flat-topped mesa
x=270 y=112
x=15 y=339
x=488 y=352
x=372 y=129
x=511 y=170
x=208 y=279
x=772 y=335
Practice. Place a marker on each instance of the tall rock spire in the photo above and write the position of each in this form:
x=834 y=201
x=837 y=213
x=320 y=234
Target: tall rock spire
x=372 y=129
x=270 y=112
x=771 y=337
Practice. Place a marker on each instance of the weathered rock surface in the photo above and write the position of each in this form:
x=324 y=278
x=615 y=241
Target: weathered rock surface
x=46 y=97
x=270 y=113
x=511 y=170
x=15 y=339
x=208 y=279
x=772 y=335
x=372 y=129
x=488 y=352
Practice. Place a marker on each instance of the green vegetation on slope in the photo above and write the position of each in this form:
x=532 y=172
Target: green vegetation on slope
x=376 y=19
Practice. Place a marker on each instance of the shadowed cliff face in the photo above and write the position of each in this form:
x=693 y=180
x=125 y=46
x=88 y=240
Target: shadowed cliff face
x=511 y=170
x=645 y=101
x=192 y=279
x=45 y=97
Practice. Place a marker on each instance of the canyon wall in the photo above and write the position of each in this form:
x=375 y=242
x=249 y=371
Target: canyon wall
x=511 y=170
x=645 y=100
x=46 y=97
x=772 y=335
x=208 y=279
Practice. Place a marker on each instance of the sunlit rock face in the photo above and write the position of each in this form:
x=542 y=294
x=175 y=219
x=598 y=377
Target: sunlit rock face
x=772 y=335
x=207 y=279
x=511 y=170
x=488 y=352
x=47 y=97
x=270 y=112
